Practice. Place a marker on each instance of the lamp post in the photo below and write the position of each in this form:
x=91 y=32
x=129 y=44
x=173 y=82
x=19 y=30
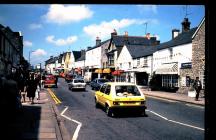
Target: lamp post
x=30 y=57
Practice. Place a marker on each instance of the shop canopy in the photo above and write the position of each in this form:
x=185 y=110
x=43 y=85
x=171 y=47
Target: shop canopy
x=117 y=72
x=98 y=71
x=106 y=70
x=169 y=68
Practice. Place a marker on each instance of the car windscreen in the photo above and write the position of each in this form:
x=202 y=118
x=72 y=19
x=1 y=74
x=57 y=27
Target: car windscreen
x=78 y=81
x=128 y=90
x=102 y=80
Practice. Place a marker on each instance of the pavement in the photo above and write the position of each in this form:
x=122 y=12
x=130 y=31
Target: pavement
x=42 y=121
x=174 y=96
x=38 y=121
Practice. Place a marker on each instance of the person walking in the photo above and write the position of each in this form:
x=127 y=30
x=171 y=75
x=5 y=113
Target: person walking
x=197 y=86
x=22 y=87
x=31 y=88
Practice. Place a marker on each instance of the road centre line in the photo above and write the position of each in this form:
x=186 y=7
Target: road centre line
x=175 y=121
x=75 y=135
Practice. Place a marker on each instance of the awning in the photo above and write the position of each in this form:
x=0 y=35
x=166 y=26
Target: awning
x=98 y=71
x=171 y=68
x=106 y=70
x=117 y=72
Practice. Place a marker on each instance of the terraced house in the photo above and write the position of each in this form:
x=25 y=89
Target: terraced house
x=173 y=61
x=11 y=50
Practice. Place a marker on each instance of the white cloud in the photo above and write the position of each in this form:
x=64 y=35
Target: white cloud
x=35 y=26
x=62 y=14
x=105 y=28
x=27 y=43
x=148 y=8
x=61 y=42
x=39 y=52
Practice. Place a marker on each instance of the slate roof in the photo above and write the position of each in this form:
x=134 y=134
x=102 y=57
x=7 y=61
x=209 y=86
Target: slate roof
x=99 y=45
x=182 y=38
x=81 y=58
x=77 y=54
x=51 y=60
x=137 y=51
x=121 y=40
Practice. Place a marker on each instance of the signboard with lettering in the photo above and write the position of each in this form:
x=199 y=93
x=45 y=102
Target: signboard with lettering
x=186 y=65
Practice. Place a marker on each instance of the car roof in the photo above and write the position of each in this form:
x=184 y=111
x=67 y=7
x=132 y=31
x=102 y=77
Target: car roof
x=78 y=79
x=120 y=83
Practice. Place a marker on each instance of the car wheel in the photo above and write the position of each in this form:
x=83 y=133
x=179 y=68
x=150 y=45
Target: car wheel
x=96 y=103
x=109 y=112
x=143 y=113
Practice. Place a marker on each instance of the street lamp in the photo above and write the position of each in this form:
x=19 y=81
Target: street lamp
x=29 y=56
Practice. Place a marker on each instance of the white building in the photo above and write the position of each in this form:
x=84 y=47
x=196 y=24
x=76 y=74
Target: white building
x=136 y=62
x=169 y=57
x=94 y=59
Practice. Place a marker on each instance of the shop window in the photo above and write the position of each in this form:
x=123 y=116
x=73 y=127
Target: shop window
x=170 y=81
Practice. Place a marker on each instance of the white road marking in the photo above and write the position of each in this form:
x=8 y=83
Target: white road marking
x=175 y=121
x=157 y=114
x=187 y=125
x=75 y=135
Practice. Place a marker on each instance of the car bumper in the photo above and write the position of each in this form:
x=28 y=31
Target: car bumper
x=49 y=85
x=128 y=108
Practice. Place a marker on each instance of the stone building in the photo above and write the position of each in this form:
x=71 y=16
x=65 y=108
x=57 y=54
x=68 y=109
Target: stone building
x=189 y=72
x=11 y=50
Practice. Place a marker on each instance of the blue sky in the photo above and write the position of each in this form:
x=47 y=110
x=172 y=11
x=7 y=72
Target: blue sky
x=52 y=29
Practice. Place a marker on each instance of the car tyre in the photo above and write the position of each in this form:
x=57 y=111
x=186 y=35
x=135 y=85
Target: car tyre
x=96 y=103
x=143 y=113
x=109 y=112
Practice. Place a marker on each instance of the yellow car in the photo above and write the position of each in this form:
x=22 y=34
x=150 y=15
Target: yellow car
x=114 y=96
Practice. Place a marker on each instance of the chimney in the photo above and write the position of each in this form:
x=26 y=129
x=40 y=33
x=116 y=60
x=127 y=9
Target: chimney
x=88 y=48
x=148 y=36
x=126 y=33
x=113 y=33
x=51 y=57
x=185 y=25
x=98 y=41
x=175 y=33
x=82 y=52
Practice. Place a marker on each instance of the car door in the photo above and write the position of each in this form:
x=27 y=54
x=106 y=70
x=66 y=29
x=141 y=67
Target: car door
x=101 y=94
x=106 y=96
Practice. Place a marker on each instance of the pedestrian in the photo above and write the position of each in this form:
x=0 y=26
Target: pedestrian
x=12 y=92
x=22 y=87
x=31 y=88
x=197 y=86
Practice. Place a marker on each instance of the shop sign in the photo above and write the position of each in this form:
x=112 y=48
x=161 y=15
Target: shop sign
x=186 y=65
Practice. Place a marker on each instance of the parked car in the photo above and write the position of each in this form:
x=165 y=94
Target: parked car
x=50 y=81
x=97 y=82
x=116 y=96
x=69 y=77
x=77 y=84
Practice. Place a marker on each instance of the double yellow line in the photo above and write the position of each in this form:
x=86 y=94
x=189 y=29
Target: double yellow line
x=57 y=101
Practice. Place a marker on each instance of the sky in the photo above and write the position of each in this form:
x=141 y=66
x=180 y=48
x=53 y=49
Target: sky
x=51 y=29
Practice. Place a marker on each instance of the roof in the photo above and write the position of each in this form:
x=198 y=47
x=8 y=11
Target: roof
x=182 y=38
x=96 y=46
x=119 y=83
x=51 y=60
x=121 y=40
x=77 y=54
x=81 y=58
x=201 y=23
x=137 y=51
